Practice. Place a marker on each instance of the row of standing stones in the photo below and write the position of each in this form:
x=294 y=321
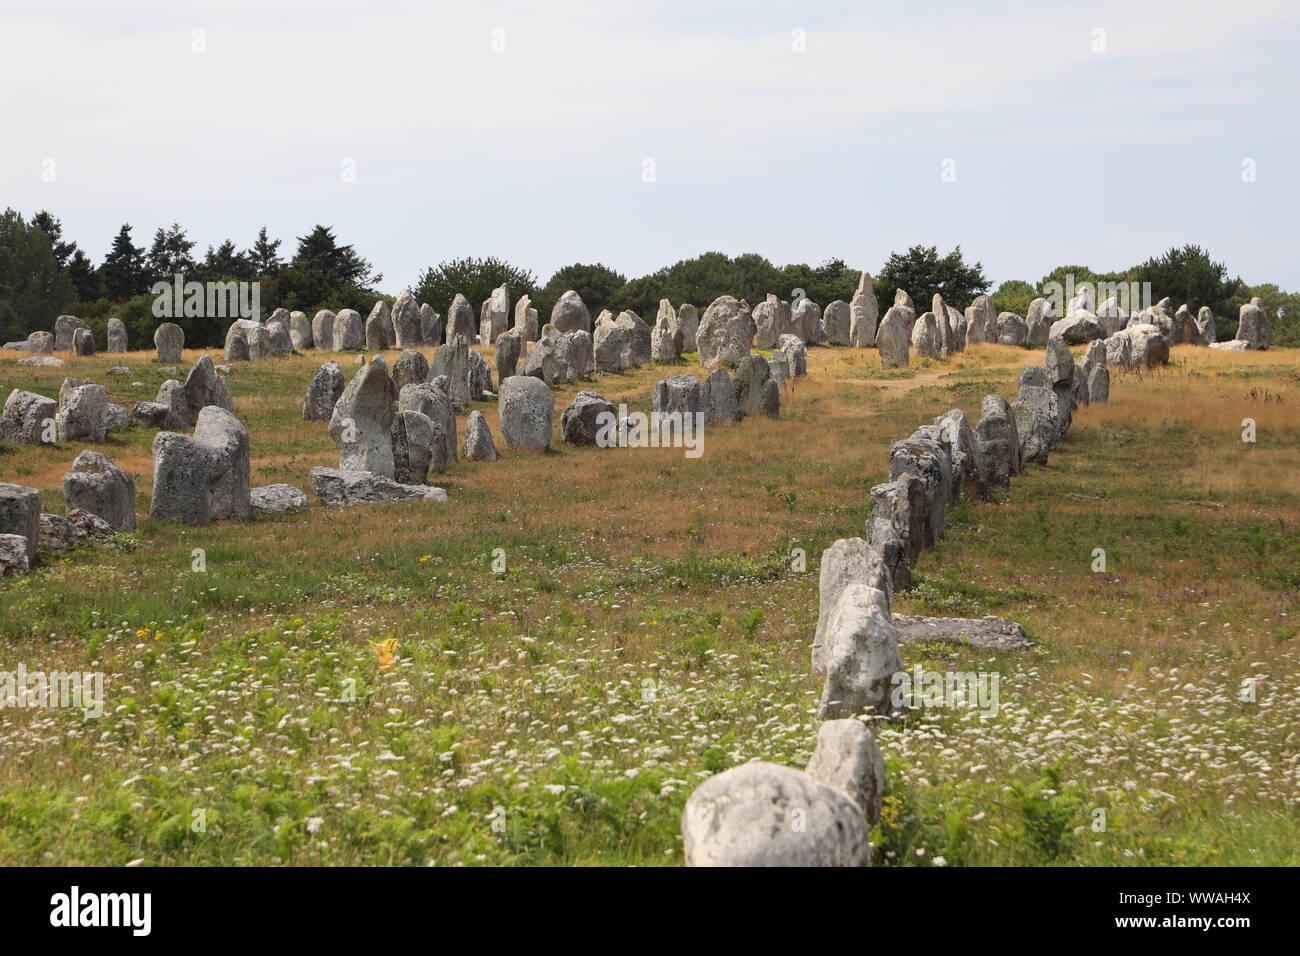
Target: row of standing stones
x=762 y=814
x=395 y=430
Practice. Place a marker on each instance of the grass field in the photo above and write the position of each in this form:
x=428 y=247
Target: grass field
x=650 y=630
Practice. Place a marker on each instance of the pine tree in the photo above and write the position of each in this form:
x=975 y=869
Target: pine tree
x=170 y=254
x=319 y=251
x=123 y=271
x=265 y=255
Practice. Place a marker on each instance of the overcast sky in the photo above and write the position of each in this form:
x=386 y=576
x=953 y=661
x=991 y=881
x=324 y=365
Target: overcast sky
x=1090 y=133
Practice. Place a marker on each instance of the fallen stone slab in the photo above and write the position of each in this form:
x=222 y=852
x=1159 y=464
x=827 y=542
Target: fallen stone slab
x=339 y=488
x=277 y=499
x=994 y=633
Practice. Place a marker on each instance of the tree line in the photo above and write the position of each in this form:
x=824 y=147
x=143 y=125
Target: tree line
x=43 y=274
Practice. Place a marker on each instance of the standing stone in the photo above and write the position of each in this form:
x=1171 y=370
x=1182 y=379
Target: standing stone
x=724 y=333
x=452 y=360
x=349 y=331
x=432 y=402
x=460 y=320
x=942 y=327
x=526 y=320
x=204 y=387
x=20 y=514
x=893 y=339
x=688 y=318
x=925 y=336
x=478 y=438
x=680 y=394
x=581 y=356
x=509 y=346
x=570 y=314
x=494 y=317
x=24 y=418
x=640 y=350
x=362 y=421
x=411 y=366
x=259 y=342
x=981 y=321
x=65 y=331
x=203 y=477
x=757 y=393
x=864 y=314
x=430 y=325
x=837 y=323
x=82 y=416
x=611 y=345
x=1099 y=383
x=525 y=408
x=1110 y=317
x=98 y=486
x=586 y=416
x=300 y=334
x=40 y=343
x=1059 y=363
x=795 y=353
x=997 y=429
x=322 y=329
x=323 y=393
x=279 y=341
x=419 y=447
x=236 y=349
x=847 y=561
x=1255 y=326
x=719 y=398
x=117 y=339
x=1038 y=324
x=405 y=319
x=548 y=359
x=807 y=322
x=765 y=322
x=169 y=340
x=666 y=338
x=1012 y=330
x=379 y=323
x=861 y=655
x=1078 y=328
x=846 y=758
x=1205 y=327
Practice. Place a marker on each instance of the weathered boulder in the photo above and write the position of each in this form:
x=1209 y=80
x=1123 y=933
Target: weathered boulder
x=460 y=320
x=893 y=339
x=768 y=321
x=570 y=314
x=478 y=438
x=525 y=408
x=259 y=342
x=678 y=394
x=837 y=323
x=895 y=535
x=719 y=398
x=300 y=337
x=13 y=554
x=1205 y=326
x=584 y=418
x=40 y=343
x=864 y=314
x=763 y=814
x=861 y=655
x=169 y=341
x=1138 y=346
x=278 y=339
x=362 y=421
x=724 y=333
x=510 y=345
x=323 y=393
x=581 y=358
x=688 y=319
x=1058 y=362
x=846 y=758
x=322 y=329
x=411 y=367
x=846 y=561
x=927 y=459
x=1076 y=329
x=997 y=429
x=806 y=322
x=795 y=353
x=611 y=345
x=277 y=499
x=942 y=327
x=202 y=477
x=236 y=348
x=1038 y=415
x=981 y=321
x=25 y=418
x=757 y=393
x=343 y=488
x=20 y=515
x=494 y=317
x=526 y=320
x=1099 y=383
x=349 y=331
x=116 y=338
x=548 y=359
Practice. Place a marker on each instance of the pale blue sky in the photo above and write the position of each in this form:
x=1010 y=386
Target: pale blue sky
x=522 y=129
